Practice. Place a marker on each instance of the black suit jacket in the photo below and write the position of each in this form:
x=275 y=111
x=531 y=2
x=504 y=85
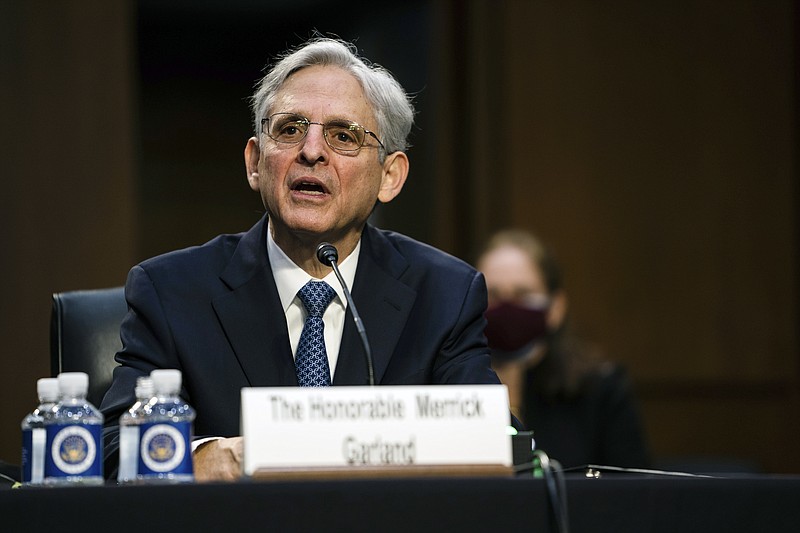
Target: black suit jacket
x=213 y=312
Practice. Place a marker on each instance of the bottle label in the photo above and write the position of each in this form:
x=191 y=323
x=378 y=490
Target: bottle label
x=165 y=449
x=27 y=451
x=128 y=446
x=33 y=450
x=38 y=439
x=73 y=450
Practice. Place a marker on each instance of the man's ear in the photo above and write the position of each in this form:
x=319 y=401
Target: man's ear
x=395 y=171
x=252 y=153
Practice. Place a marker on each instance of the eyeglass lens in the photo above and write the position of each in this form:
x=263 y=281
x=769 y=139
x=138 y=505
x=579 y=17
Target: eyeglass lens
x=340 y=135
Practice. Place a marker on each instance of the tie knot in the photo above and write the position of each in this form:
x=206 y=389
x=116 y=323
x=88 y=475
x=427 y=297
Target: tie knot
x=316 y=296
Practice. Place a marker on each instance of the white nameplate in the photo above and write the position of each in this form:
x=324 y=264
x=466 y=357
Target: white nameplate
x=375 y=426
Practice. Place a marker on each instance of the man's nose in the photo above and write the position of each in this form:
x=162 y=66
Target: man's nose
x=314 y=147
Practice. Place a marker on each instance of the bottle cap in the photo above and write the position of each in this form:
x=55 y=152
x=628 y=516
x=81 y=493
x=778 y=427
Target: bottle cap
x=166 y=381
x=144 y=387
x=47 y=389
x=73 y=384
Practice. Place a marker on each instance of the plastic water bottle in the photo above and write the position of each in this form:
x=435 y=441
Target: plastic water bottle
x=34 y=434
x=129 y=424
x=165 y=441
x=74 y=445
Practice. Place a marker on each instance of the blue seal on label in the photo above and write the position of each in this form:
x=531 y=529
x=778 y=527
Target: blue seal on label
x=165 y=449
x=73 y=450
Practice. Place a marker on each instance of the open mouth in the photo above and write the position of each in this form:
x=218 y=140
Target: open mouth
x=307 y=186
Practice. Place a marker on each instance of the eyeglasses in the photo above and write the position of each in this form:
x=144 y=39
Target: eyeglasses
x=341 y=135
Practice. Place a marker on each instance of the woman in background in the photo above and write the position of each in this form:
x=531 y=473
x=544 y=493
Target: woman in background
x=580 y=408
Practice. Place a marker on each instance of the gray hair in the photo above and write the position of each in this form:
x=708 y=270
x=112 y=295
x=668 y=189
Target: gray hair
x=394 y=112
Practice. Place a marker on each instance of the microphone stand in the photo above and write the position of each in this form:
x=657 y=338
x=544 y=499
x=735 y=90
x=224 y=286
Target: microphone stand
x=328 y=255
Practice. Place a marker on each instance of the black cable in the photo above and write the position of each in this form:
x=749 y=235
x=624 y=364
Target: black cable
x=599 y=469
x=562 y=491
x=556 y=490
x=555 y=482
x=9 y=478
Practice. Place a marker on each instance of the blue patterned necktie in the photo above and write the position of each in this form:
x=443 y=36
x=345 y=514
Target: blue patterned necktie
x=311 y=361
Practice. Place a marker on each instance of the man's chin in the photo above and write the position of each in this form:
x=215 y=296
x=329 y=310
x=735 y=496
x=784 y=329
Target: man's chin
x=308 y=232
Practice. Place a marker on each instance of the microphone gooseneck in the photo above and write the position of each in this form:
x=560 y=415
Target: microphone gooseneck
x=328 y=255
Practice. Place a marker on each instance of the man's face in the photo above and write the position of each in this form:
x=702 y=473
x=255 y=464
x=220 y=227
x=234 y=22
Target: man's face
x=311 y=191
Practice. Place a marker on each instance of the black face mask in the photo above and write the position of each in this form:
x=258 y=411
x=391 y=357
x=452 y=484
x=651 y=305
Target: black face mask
x=512 y=329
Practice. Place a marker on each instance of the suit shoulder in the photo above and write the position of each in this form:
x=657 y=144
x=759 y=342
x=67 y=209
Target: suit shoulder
x=214 y=254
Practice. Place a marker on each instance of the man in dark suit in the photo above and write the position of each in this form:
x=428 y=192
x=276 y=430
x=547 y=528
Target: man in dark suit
x=330 y=143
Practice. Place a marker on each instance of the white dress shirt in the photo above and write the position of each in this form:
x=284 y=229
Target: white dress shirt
x=290 y=278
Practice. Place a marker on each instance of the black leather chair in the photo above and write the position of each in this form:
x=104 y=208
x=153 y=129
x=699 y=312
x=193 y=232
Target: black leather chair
x=84 y=335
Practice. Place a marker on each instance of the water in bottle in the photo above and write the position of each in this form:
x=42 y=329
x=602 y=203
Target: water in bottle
x=33 y=432
x=165 y=450
x=74 y=445
x=129 y=426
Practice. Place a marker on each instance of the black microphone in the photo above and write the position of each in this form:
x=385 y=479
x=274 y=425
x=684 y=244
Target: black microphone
x=328 y=255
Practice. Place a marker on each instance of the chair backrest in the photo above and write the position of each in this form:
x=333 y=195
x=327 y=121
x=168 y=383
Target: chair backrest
x=84 y=335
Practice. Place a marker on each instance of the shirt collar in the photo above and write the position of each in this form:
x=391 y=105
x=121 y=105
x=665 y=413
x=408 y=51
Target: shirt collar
x=290 y=278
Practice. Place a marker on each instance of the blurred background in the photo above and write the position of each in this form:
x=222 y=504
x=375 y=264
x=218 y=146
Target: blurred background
x=653 y=145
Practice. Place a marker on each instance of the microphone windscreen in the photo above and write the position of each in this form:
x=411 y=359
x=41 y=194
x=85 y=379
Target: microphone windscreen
x=327 y=253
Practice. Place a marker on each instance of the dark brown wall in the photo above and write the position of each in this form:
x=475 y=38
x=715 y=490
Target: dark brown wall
x=67 y=176
x=652 y=144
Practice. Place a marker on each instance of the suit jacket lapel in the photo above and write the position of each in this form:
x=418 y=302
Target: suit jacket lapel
x=251 y=314
x=383 y=303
